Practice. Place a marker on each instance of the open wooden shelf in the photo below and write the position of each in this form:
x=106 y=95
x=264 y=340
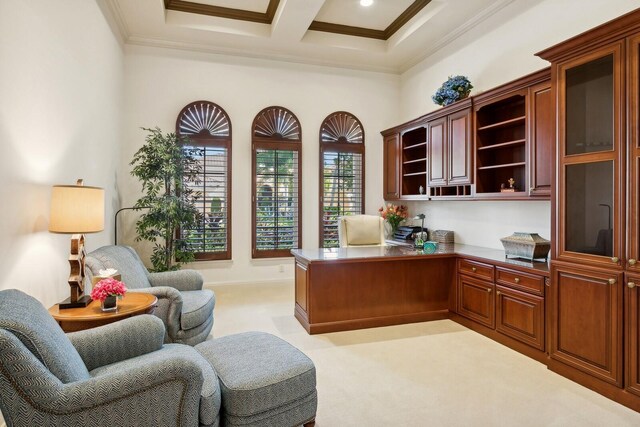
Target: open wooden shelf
x=414 y=162
x=503 y=145
x=418 y=145
x=506 y=165
x=504 y=123
x=408 y=162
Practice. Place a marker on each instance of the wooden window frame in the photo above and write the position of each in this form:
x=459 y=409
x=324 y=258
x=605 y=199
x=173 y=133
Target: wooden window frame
x=341 y=145
x=205 y=139
x=275 y=141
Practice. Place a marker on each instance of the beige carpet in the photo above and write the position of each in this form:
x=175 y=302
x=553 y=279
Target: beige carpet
x=434 y=373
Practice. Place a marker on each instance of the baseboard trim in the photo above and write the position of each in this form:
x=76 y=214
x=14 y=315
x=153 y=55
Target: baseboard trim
x=282 y=281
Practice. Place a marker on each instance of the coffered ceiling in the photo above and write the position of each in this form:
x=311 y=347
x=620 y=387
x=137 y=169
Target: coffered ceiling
x=388 y=36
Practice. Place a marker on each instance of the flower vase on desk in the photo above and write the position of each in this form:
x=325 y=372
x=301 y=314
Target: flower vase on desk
x=110 y=303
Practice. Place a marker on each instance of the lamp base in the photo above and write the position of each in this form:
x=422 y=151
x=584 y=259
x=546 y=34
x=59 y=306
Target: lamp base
x=82 y=302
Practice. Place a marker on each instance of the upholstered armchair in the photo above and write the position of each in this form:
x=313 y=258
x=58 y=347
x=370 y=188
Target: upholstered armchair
x=116 y=375
x=361 y=230
x=184 y=307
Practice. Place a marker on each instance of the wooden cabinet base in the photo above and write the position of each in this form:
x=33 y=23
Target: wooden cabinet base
x=340 y=296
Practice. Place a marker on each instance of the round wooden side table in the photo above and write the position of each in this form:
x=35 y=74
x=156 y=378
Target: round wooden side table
x=80 y=318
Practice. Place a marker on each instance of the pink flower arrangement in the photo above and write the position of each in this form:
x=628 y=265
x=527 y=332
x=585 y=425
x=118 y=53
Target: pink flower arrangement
x=393 y=214
x=108 y=287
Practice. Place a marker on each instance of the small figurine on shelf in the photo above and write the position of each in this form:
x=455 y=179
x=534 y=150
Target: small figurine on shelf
x=511 y=188
x=421 y=189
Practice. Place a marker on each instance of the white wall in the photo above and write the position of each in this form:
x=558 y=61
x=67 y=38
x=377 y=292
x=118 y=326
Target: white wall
x=160 y=82
x=499 y=50
x=60 y=119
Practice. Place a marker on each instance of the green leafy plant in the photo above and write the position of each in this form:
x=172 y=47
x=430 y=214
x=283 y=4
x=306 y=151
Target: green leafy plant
x=166 y=165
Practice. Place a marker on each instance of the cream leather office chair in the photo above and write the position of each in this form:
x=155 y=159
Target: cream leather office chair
x=361 y=230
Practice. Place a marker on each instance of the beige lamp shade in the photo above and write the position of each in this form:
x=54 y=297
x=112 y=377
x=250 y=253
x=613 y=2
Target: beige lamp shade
x=76 y=209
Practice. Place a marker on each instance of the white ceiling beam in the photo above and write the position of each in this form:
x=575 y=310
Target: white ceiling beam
x=293 y=18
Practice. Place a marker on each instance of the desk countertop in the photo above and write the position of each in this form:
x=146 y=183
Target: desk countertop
x=392 y=252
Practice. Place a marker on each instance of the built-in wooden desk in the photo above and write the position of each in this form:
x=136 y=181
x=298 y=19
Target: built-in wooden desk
x=360 y=287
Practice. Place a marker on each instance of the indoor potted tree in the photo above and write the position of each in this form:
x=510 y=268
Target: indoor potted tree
x=166 y=164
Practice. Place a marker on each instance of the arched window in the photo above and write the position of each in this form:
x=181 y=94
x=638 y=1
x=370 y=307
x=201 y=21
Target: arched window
x=276 y=203
x=208 y=127
x=341 y=173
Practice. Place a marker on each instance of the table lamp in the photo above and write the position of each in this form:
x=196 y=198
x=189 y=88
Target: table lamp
x=76 y=209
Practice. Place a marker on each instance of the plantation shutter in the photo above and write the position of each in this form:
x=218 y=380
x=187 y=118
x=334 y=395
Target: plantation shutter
x=342 y=173
x=276 y=203
x=208 y=128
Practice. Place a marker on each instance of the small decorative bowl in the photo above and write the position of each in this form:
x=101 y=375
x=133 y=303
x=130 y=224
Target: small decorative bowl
x=430 y=247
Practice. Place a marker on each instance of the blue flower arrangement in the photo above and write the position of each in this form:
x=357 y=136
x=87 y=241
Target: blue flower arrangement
x=455 y=88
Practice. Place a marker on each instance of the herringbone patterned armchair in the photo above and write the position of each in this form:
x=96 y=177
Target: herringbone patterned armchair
x=115 y=375
x=185 y=308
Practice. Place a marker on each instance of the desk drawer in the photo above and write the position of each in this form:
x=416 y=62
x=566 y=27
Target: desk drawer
x=519 y=280
x=476 y=269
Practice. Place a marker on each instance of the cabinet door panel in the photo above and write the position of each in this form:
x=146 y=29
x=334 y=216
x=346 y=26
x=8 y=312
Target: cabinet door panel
x=437 y=153
x=520 y=316
x=633 y=210
x=459 y=170
x=590 y=188
x=475 y=300
x=633 y=333
x=541 y=137
x=586 y=321
x=391 y=169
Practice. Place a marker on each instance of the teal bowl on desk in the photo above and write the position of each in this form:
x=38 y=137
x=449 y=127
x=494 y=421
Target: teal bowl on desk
x=430 y=247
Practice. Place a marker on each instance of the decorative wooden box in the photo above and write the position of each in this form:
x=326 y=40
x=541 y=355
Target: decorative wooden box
x=526 y=245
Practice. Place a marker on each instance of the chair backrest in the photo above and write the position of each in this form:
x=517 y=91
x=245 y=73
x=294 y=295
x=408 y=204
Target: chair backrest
x=28 y=320
x=361 y=230
x=122 y=258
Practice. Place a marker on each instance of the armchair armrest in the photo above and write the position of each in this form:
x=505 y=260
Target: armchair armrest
x=169 y=308
x=182 y=280
x=118 y=341
x=174 y=382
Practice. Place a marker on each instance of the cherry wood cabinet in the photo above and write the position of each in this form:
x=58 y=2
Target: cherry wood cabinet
x=391 y=166
x=632 y=326
x=520 y=316
x=512 y=304
x=513 y=139
x=475 y=300
x=633 y=157
x=595 y=83
x=586 y=320
x=541 y=138
x=450 y=146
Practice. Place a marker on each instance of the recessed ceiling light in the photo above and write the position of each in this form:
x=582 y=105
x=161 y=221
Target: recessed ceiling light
x=366 y=3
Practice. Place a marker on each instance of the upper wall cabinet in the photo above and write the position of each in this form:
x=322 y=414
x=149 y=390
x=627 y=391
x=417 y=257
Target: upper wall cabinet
x=513 y=139
x=449 y=154
x=500 y=136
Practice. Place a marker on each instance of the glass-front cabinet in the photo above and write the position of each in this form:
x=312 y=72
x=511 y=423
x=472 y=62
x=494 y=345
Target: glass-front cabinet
x=590 y=156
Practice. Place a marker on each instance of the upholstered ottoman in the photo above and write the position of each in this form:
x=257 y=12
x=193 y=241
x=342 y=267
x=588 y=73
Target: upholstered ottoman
x=264 y=380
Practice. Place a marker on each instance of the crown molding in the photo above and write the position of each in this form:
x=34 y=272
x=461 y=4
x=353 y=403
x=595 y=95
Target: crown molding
x=261 y=55
x=115 y=18
x=459 y=31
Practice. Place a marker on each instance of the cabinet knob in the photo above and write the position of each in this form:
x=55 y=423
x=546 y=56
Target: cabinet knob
x=517 y=280
x=632 y=261
x=612 y=281
x=497 y=292
x=473 y=269
x=615 y=259
x=489 y=290
x=531 y=189
x=631 y=285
